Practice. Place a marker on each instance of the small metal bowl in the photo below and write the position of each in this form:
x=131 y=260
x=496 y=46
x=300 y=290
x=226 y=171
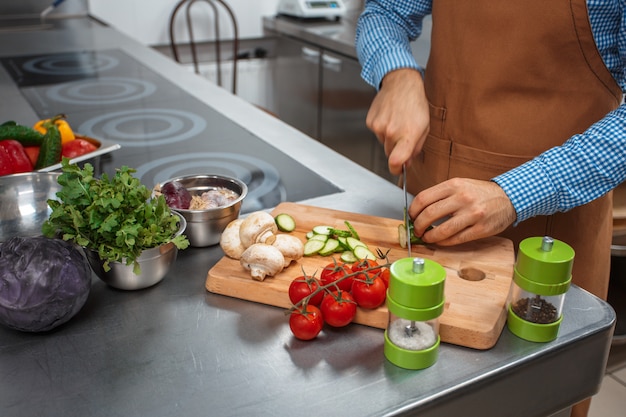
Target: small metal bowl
x=24 y=201
x=205 y=227
x=155 y=263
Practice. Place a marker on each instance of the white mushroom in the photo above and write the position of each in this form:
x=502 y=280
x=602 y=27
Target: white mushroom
x=262 y=260
x=230 y=242
x=290 y=246
x=258 y=227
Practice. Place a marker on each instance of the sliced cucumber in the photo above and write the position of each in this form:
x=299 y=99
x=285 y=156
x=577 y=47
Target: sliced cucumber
x=325 y=240
x=348 y=257
x=312 y=247
x=330 y=247
x=321 y=238
x=354 y=243
x=343 y=243
x=322 y=230
x=285 y=222
x=362 y=252
x=402 y=236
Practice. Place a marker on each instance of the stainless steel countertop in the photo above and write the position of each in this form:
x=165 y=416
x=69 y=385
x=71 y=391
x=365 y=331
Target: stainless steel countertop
x=175 y=349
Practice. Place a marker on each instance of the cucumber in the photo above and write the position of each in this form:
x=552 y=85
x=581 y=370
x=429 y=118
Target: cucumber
x=362 y=252
x=285 y=222
x=402 y=238
x=321 y=238
x=25 y=135
x=343 y=243
x=348 y=257
x=50 y=150
x=322 y=230
x=325 y=240
x=354 y=243
x=330 y=247
x=312 y=247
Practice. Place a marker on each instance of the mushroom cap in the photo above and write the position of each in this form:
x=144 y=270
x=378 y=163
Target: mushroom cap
x=290 y=246
x=258 y=227
x=230 y=242
x=262 y=260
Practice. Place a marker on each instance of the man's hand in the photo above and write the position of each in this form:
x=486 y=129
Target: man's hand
x=399 y=117
x=470 y=210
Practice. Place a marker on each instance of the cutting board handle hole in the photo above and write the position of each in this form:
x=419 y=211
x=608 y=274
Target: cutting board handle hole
x=471 y=274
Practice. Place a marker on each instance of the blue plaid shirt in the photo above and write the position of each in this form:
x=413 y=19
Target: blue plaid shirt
x=584 y=168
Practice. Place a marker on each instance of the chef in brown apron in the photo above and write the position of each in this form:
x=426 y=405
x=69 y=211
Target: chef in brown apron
x=495 y=104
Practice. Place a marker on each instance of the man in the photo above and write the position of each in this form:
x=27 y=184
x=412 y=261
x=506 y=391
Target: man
x=515 y=127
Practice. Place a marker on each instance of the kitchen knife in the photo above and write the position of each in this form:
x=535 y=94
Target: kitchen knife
x=406 y=210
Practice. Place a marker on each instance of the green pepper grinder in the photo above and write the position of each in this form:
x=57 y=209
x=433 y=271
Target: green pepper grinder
x=415 y=300
x=542 y=275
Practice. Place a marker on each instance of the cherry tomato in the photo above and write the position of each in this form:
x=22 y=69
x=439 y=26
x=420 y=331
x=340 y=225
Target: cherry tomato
x=77 y=147
x=384 y=275
x=338 y=308
x=369 y=293
x=362 y=265
x=306 y=324
x=302 y=287
x=335 y=271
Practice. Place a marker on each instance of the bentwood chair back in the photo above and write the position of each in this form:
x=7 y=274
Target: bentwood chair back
x=214 y=6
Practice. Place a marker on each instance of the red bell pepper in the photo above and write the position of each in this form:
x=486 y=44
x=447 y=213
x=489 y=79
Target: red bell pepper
x=13 y=158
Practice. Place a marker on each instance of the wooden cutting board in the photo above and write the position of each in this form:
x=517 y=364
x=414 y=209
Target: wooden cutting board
x=476 y=288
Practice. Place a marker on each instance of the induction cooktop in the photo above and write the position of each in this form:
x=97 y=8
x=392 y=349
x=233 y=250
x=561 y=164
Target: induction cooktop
x=163 y=131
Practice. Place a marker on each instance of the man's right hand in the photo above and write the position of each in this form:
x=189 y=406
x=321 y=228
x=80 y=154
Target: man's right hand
x=399 y=117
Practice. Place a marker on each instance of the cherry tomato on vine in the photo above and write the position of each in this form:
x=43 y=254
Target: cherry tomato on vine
x=362 y=265
x=302 y=287
x=334 y=272
x=338 y=308
x=306 y=324
x=384 y=275
x=369 y=293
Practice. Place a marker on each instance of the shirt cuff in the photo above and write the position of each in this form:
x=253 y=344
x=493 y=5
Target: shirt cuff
x=530 y=190
x=384 y=67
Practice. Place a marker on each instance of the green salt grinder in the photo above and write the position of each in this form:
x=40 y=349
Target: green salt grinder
x=542 y=276
x=415 y=300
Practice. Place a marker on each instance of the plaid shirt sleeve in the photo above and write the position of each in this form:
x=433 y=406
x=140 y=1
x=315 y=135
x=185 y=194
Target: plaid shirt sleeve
x=588 y=165
x=584 y=168
x=384 y=32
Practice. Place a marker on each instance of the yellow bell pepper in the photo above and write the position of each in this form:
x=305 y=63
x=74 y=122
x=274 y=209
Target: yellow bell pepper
x=67 y=135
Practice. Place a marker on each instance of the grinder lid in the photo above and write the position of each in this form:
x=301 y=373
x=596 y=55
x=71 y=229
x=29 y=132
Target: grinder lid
x=545 y=260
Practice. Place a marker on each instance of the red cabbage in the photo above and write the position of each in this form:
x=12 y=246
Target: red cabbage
x=44 y=282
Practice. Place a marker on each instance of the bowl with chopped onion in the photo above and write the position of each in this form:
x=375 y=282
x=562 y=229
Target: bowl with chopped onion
x=207 y=202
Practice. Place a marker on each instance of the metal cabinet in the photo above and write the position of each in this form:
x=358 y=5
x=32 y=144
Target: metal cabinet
x=297 y=84
x=344 y=102
x=322 y=94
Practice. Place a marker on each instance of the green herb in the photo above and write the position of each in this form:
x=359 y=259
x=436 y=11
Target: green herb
x=114 y=216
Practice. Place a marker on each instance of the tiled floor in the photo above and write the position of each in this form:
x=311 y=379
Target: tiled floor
x=611 y=400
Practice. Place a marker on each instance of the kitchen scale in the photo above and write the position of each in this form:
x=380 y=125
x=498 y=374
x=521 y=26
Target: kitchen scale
x=312 y=9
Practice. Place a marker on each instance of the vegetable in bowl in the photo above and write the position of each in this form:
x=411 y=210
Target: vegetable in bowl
x=114 y=216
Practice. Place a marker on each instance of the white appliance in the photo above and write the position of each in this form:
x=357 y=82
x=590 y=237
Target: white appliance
x=312 y=9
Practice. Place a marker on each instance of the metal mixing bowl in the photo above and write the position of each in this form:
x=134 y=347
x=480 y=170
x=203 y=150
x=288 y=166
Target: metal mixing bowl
x=23 y=202
x=155 y=264
x=205 y=227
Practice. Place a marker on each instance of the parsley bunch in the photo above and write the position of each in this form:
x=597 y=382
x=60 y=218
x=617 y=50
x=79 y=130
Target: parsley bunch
x=114 y=216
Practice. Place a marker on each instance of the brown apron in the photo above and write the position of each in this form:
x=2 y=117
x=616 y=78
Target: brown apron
x=506 y=81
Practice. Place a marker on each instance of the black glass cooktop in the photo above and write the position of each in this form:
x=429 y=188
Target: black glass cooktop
x=163 y=131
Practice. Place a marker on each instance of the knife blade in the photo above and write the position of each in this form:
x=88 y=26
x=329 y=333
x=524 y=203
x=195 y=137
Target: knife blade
x=406 y=210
